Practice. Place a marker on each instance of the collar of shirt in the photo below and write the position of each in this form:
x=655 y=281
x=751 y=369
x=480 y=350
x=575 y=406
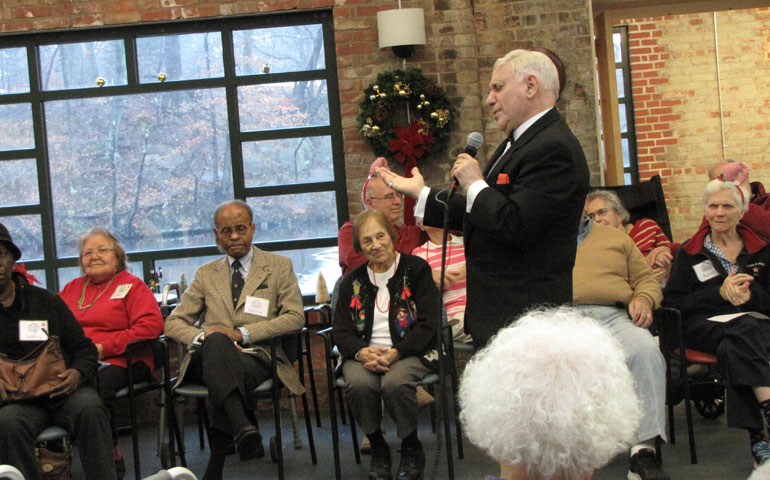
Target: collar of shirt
x=528 y=123
x=245 y=262
x=585 y=227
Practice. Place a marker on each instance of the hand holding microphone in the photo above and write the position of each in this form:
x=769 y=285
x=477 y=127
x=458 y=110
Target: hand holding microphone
x=466 y=169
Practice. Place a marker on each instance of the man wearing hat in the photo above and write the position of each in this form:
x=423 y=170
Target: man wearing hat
x=28 y=315
x=378 y=196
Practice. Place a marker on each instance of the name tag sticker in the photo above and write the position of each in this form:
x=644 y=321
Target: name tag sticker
x=257 y=306
x=705 y=270
x=33 y=330
x=121 y=291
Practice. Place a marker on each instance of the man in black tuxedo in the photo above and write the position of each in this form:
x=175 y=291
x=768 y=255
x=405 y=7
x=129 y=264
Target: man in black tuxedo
x=520 y=216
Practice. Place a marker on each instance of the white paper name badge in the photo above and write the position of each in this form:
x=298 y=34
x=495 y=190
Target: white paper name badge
x=705 y=270
x=32 y=330
x=257 y=306
x=121 y=291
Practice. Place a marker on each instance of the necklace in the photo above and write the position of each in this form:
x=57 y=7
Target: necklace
x=377 y=296
x=83 y=295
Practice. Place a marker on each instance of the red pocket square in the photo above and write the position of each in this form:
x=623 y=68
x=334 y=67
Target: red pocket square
x=502 y=179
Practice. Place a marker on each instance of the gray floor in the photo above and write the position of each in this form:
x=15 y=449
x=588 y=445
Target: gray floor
x=723 y=454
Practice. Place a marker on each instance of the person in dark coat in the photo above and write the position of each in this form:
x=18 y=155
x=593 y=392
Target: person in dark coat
x=27 y=315
x=720 y=282
x=520 y=215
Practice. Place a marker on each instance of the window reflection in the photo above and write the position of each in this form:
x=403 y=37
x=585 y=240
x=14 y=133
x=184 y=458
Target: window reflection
x=278 y=50
x=617 y=43
x=283 y=105
x=153 y=173
x=18 y=183
x=308 y=263
x=292 y=160
x=27 y=233
x=180 y=57
x=14 y=74
x=16 y=125
x=79 y=65
x=294 y=217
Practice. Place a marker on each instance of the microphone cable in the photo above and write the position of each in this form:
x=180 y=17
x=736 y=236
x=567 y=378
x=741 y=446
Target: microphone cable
x=441 y=320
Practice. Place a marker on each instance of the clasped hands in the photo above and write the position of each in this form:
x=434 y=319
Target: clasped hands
x=735 y=288
x=233 y=333
x=70 y=381
x=377 y=359
x=466 y=170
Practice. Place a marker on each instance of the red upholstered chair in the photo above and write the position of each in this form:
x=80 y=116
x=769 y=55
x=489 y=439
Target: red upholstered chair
x=706 y=391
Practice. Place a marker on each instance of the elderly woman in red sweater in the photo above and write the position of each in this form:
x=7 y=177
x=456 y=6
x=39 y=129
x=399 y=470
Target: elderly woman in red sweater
x=115 y=308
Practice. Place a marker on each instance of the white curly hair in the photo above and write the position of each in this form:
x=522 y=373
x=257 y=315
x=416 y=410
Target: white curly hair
x=551 y=392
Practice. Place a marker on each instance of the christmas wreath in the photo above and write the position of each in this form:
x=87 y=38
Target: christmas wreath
x=405 y=116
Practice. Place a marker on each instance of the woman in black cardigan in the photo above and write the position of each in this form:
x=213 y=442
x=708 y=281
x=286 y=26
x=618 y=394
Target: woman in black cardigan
x=384 y=329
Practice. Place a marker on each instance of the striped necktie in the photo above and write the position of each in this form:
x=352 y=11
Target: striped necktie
x=236 y=284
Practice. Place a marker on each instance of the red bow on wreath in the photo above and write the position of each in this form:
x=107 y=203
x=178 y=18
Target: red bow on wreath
x=411 y=143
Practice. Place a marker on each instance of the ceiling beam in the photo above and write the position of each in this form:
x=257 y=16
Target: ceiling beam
x=654 y=8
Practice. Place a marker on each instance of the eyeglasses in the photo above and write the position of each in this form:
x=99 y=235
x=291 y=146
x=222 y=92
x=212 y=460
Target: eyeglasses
x=389 y=197
x=239 y=229
x=101 y=251
x=599 y=213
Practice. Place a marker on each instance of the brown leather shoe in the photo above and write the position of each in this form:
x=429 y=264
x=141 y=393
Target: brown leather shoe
x=248 y=442
x=412 y=463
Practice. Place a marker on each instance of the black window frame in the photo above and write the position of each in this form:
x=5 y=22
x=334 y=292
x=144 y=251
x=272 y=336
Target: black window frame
x=36 y=97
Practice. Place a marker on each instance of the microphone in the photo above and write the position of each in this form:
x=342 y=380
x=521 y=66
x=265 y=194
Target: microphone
x=472 y=144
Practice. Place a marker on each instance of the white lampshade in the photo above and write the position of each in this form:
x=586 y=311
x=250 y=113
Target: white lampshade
x=404 y=26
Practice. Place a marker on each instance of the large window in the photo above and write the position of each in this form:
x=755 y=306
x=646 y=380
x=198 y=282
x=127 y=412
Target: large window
x=145 y=130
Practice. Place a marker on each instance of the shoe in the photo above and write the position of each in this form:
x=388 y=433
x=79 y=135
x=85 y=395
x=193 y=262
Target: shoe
x=412 y=463
x=644 y=466
x=248 y=443
x=761 y=453
x=379 y=468
x=424 y=398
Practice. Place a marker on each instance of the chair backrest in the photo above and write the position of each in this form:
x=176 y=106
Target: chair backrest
x=168 y=299
x=644 y=200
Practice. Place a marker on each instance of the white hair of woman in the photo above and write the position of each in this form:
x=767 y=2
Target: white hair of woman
x=716 y=186
x=550 y=393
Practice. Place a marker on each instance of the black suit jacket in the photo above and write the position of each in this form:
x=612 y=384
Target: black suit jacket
x=520 y=236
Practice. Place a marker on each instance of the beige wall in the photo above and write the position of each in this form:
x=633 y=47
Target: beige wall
x=463 y=40
x=677 y=74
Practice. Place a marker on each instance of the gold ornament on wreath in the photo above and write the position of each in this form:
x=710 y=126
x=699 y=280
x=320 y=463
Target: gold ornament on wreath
x=405 y=116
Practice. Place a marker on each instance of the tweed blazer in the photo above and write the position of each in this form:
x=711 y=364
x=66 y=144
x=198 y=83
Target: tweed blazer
x=208 y=301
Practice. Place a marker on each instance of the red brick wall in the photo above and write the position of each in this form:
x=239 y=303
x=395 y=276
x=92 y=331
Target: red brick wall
x=676 y=79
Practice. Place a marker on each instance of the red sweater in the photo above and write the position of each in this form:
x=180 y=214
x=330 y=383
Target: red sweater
x=116 y=322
